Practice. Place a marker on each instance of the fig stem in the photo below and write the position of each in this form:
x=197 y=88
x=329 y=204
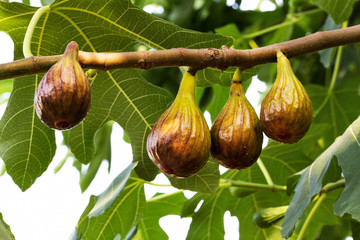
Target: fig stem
x=264 y=172
x=237 y=76
x=30 y=30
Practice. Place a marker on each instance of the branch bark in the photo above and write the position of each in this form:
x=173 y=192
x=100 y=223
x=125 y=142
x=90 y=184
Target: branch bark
x=194 y=58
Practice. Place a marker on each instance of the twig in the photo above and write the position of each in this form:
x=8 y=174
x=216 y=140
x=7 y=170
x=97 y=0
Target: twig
x=195 y=58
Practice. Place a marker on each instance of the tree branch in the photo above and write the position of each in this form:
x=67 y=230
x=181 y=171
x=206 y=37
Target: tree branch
x=195 y=58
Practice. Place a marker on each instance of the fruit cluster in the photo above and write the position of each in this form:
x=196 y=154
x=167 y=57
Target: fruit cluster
x=180 y=142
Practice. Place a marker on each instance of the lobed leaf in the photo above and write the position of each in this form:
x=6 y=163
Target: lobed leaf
x=27 y=146
x=125 y=97
x=336 y=107
x=157 y=207
x=114 y=25
x=205 y=181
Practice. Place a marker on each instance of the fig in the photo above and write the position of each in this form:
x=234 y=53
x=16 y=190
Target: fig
x=266 y=217
x=286 y=112
x=179 y=142
x=63 y=97
x=236 y=136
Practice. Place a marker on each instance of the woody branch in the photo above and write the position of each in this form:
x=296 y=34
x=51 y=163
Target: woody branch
x=194 y=58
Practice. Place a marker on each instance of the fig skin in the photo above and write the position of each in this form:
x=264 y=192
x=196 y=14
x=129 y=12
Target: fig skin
x=236 y=136
x=286 y=112
x=63 y=97
x=179 y=142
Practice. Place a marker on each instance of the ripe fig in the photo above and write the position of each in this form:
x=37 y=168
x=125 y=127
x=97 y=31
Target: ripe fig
x=286 y=112
x=179 y=142
x=236 y=137
x=63 y=96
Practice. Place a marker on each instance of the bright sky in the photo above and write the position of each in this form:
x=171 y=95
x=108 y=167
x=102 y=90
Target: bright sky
x=51 y=208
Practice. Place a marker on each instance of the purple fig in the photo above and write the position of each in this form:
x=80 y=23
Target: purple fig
x=63 y=97
x=236 y=136
x=179 y=142
x=286 y=112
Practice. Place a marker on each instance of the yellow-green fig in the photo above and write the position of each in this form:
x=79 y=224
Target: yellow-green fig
x=63 y=97
x=179 y=142
x=266 y=217
x=286 y=112
x=236 y=136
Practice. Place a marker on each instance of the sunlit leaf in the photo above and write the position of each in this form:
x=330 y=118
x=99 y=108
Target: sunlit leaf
x=339 y=10
x=335 y=108
x=206 y=180
x=208 y=221
x=123 y=96
x=27 y=146
x=102 y=152
x=348 y=154
x=5 y=231
x=116 y=211
x=157 y=207
x=310 y=182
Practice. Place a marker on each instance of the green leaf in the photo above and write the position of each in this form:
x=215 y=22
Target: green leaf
x=220 y=98
x=348 y=154
x=222 y=93
x=326 y=55
x=116 y=25
x=324 y=216
x=190 y=205
x=27 y=146
x=157 y=207
x=277 y=162
x=208 y=221
x=132 y=102
x=46 y=2
x=5 y=231
x=339 y=10
x=102 y=152
x=336 y=107
x=6 y=85
x=205 y=181
x=116 y=211
x=311 y=180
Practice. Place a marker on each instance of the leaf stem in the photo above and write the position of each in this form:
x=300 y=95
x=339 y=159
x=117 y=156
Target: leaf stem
x=226 y=183
x=150 y=183
x=311 y=215
x=333 y=77
x=265 y=172
x=294 y=18
x=164 y=195
x=332 y=186
x=30 y=30
x=337 y=64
